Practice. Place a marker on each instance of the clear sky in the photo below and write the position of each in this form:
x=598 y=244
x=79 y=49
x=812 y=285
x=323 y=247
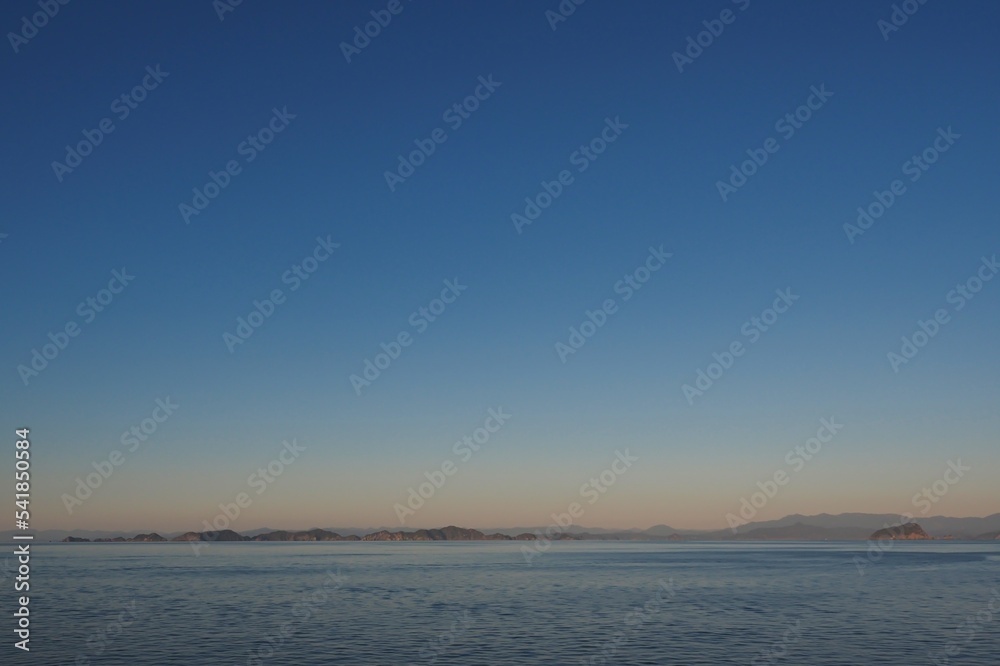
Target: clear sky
x=644 y=139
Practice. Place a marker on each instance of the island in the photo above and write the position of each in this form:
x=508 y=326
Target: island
x=450 y=533
x=907 y=532
x=815 y=528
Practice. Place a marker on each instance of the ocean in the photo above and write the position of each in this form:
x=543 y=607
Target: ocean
x=473 y=603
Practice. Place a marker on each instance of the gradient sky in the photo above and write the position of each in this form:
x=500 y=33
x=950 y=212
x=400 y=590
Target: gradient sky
x=495 y=346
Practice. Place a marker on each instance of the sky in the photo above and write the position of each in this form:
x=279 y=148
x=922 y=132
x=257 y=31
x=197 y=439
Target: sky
x=689 y=174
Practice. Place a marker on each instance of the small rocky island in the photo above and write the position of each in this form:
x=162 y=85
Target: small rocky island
x=907 y=532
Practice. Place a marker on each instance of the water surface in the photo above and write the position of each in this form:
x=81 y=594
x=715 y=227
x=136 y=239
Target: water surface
x=480 y=603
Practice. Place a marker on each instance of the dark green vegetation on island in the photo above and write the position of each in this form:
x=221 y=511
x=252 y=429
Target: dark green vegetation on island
x=907 y=532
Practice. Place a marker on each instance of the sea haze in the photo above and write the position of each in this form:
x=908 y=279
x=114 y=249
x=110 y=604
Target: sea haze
x=478 y=603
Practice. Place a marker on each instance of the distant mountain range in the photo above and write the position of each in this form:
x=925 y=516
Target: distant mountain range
x=450 y=533
x=822 y=527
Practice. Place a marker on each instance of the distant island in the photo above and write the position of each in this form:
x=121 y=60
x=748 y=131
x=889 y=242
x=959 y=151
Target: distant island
x=907 y=532
x=139 y=537
x=450 y=533
x=796 y=527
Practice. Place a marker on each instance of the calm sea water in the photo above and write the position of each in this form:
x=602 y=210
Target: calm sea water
x=480 y=603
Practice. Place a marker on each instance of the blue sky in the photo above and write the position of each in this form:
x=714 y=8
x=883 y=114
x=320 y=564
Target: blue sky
x=323 y=176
